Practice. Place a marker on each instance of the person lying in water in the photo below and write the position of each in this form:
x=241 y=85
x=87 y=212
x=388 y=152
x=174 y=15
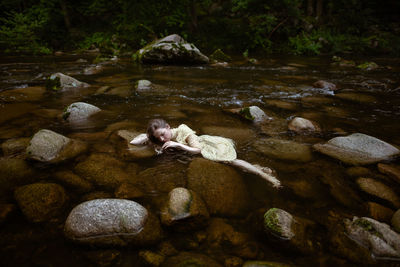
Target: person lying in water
x=214 y=148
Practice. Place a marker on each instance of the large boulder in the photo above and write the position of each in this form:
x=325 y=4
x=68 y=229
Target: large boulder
x=184 y=210
x=220 y=186
x=51 y=147
x=103 y=170
x=41 y=202
x=59 y=81
x=112 y=222
x=79 y=112
x=358 y=149
x=283 y=149
x=172 y=49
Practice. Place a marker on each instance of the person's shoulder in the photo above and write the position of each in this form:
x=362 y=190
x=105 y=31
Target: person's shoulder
x=184 y=127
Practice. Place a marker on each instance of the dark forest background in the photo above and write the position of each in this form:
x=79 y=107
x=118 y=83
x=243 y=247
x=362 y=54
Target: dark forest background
x=301 y=27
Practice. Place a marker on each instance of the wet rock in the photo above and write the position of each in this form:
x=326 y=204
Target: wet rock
x=303 y=126
x=13 y=111
x=112 y=222
x=172 y=49
x=358 y=149
x=79 y=112
x=162 y=178
x=190 y=259
x=14 y=146
x=96 y=195
x=265 y=264
x=184 y=210
x=28 y=94
x=395 y=221
x=219 y=185
x=233 y=262
x=73 y=181
x=103 y=170
x=219 y=56
x=325 y=85
x=41 y=202
x=94 y=69
x=121 y=91
x=252 y=113
x=59 y=81
x=358 y=171
x=290 y=229
x=143 y=85
x=122 y=125
x=6 y=210
x=14 y=172
x=282 y=104
x=167 y=248
x=338 y=61
x=221 y=234
x=151 y=258
x=378 y=189
x=368 y=66
x=283 y=149
x=48 y=146
x=375 y=236
x=128 y=191
x=393 y=171
x=356 y=97
x=47 y=113
x=240 y=135
x=379 y=212
x=104 y=257
x=132 y=152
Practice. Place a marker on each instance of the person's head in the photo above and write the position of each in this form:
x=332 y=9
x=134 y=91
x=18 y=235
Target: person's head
x=159 y=131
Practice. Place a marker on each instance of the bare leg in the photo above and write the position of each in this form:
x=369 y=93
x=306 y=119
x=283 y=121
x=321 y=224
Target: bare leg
x=257 y=170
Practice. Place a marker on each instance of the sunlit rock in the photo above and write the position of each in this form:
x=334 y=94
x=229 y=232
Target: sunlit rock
x=379 y=189
x=303 y=126
x=79 y=112
x=112 y=222
x=295 y=231
x=103 y=170
x=219 y=185
x=358 y=149
x=324 y=85
x=51 y=147
x=172 y=49
x=59 y=81
x=41 y=201
x=184 y=210
x=283 y=149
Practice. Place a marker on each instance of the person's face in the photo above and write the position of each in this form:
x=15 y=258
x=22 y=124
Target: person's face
x=163 y=134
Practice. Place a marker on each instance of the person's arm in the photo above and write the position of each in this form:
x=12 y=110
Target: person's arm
x=141 y=139
x=192 y=147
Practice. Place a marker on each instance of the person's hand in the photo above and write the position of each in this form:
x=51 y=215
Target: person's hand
x=170 y=144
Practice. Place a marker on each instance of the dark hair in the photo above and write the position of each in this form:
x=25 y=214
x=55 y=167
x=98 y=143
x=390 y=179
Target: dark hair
x=152 y=127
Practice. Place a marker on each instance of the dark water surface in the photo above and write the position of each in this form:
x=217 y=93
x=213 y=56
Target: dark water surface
x=318 y=190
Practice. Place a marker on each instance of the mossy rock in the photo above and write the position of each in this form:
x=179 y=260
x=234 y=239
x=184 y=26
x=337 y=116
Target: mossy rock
x=368 y=66
x=220 y=56
x=53 y=83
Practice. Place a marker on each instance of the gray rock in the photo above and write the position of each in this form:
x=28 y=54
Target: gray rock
x=252 y=113
x=109 y=222
x=358 y=149
x=219 y=185
x=283 y=149
x=375 y=236
x=303 y=126
x=184 y=207
x=171 y=49
x=396 y=221
x=279 y=222
x=41 y=201
x=59 y=81
x=143 y=85
x=48 y=146
x=378 y=189
x=79 y=112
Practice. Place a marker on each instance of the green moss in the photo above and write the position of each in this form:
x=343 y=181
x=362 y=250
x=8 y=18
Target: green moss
x=271 y=221
x=245 y=112
x=218 y=55
x=66 y=115
x=53 y=83
x=368 y=66
x=366 y=225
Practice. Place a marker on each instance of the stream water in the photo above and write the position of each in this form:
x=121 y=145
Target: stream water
x=319 y=189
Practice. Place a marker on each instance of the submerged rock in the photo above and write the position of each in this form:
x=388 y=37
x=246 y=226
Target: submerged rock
x=190 y=259
x=28 y=94
x=172 y=49
x=129 y=151
x=51 y=147
x=78 y=112
x=73 y=181
x=358 y=149
x=325 y=85
x=283 y=149
x=14 y=172
x=184 y=210
x=219 y=185
x=303 y=126
x=395 y=221
x=112 y=222
x=393 y=171
x=379 y=212
x=368 y=66
x=14 y=146
x=59 y=81
x=41 y=201
x=378 y=189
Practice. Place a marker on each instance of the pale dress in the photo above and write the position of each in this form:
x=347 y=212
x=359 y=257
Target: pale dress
x=212 y=147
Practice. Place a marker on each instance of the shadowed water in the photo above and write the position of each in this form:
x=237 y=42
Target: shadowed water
x=318 y=189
